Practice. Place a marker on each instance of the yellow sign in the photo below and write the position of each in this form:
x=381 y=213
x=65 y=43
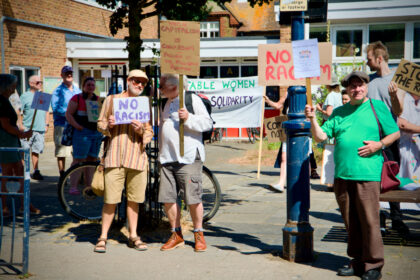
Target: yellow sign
x=407 y=77
x=293 y=5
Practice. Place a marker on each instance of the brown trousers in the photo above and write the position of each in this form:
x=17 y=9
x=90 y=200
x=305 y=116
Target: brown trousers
x=359 y=206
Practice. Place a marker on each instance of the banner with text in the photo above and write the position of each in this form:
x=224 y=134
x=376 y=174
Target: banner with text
x=131 y=108
x=275 y=65
x=180 y=47
x=235 y=102
x=407 y=77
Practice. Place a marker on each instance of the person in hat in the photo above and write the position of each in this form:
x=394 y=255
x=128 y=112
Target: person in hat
x=333 y=99
x=59 y=102
x=125 y=163
x=358 y=165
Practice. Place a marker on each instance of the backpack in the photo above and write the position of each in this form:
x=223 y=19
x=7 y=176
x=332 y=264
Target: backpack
x=206 y=135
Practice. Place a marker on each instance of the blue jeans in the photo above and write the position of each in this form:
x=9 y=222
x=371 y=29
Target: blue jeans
x=86 y=143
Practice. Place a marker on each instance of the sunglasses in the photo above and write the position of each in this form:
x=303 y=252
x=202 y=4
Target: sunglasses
x=39 y=82
x=138 y=82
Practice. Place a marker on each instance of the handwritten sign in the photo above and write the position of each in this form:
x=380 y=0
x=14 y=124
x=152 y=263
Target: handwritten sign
x=180 y=47
x=306 y=58
x=93 y=109
x=275 y=65
x=131 y=108
x=41 y=101
x=407 y=77
x=274 y=130
x=293 y=5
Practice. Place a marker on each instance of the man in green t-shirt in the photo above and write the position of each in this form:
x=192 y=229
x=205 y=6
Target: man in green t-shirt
x=358 y=165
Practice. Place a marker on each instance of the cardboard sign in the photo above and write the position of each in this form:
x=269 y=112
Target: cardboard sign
x=407 y=77
x=275 y=65
x=306 y=58
x=93 y=109
x=180 y=47
x=131 y=108
x=274 y=130
x=293 y=5
x=41 y=101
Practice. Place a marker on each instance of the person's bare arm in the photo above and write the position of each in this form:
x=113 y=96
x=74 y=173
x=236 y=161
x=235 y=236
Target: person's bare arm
x=397 y=98
x=14 y=130
x=407 y=126
x=317 y=133
x=71 y=109
x=371 y=147
x=276 y=105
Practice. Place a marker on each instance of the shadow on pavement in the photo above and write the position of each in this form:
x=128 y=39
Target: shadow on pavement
x=332 y=217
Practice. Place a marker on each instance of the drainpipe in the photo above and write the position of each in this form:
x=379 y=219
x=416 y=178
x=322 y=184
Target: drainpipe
x=4 y=18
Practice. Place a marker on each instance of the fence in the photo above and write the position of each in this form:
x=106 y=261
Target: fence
x=11 y=192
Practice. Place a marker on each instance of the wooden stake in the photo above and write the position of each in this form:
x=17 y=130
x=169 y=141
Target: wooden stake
x=261 y=136
x=33 y=119
x=181 y=122
x=308 y=92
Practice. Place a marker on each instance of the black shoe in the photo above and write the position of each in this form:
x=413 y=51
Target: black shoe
x=372 y=274
x=37 y=175
x=346 y=271
x=399 y=226
x=315 y=175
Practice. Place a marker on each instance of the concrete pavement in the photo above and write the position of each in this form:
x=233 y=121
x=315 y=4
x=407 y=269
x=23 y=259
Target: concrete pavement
x=244 y=238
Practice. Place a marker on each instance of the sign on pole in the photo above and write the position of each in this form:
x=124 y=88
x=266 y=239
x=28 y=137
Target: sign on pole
x=293 y=5
x=180 y=47
x=407 y=77
x=131 y=108
x=41 y=101
x=275 y=65
x=306 y=58
x=274 y=130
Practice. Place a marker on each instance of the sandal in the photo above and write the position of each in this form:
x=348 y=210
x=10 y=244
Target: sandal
x=137 y=244
x=100 y=248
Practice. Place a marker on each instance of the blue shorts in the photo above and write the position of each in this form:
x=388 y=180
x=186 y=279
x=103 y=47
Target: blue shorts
x=86 y=143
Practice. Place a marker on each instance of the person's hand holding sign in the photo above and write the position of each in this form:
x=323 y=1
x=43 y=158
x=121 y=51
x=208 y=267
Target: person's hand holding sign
x=111 y=121
x=137 y=125
x=183 y=114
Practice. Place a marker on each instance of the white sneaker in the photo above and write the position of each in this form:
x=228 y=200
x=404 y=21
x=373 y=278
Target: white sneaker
x=277 y=188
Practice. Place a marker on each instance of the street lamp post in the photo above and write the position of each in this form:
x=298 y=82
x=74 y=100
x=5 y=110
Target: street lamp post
x=297 y=232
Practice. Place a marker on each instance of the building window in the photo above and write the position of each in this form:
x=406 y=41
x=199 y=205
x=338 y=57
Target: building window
x=208 y=72
x=394 y=43
x=23 y=73
x=318 y=32
x=229 y=71
x=349 y=43
x=249 y=71
x=416 y=41
x=209 y=29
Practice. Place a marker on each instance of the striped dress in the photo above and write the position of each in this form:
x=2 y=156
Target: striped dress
x=126 y=147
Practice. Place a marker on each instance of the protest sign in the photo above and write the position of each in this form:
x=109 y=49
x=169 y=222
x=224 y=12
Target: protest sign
x=41 y=101
x=180 y=47
x=93 y=109
x=407 y=77
x=306 y=58
x=131 y=108
x=275 y=65
x=236 y=102
x=273 y=129
x=293 y=5
x=328 y=165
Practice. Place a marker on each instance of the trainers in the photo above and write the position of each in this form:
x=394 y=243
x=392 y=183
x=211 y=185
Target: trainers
x=174 y=241
x=37 y=175
x=200 y=243
x=74 y=191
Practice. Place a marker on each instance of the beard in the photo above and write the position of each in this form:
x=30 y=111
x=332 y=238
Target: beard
x=134 y=90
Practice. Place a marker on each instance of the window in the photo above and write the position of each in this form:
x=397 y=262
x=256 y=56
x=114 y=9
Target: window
x=394 y=43
x=23 y=73
x=318 y=32
x=209 y=29
x=349 y=43
x=249 y=71
x=208 y=72
x=229 y=71
x=416 y=41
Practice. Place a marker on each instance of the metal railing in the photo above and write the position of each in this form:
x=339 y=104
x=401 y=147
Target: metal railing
x=13 y=194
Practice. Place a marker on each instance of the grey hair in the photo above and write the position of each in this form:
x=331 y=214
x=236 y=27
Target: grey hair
x=6 y=82
x=173 y=80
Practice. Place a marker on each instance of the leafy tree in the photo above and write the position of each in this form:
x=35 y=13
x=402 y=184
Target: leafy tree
x=130 y=13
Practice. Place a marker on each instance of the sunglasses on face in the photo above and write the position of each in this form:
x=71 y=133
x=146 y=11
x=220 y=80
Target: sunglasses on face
x=138 y=82
x=38 y=82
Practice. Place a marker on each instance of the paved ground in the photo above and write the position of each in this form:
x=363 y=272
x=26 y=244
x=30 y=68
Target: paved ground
x=244 y=238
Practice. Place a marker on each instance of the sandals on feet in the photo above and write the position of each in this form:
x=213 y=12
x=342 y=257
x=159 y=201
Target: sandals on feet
x=137 y=244
x=99 y=248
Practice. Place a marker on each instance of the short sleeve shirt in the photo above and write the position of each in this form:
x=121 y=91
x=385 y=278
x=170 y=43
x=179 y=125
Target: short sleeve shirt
x=7 y=111
x=28 y=113
x=333 y=99
x=351 y=125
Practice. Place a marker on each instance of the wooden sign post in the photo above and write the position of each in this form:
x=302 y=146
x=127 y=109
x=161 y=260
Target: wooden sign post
x=180 y=54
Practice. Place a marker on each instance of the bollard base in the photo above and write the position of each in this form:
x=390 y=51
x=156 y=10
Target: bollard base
x=298 y=242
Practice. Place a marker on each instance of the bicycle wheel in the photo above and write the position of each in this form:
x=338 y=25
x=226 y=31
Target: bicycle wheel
x=212 y=195
x=75 y=194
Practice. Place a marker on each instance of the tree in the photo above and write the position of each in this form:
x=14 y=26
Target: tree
x=130 y=13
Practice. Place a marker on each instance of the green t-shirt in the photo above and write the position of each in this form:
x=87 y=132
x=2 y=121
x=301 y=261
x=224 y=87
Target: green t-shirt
x=28 y=113
x=351 y=125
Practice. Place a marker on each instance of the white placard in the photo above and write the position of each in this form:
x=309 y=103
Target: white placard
x=41 y=101
x=93 y=109
x=131 y=108
x=306 y=58
x=328 y=165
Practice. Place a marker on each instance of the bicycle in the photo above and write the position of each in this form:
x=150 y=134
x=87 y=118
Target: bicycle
x=253 y=134
x=217 y=134
x=87 y=206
